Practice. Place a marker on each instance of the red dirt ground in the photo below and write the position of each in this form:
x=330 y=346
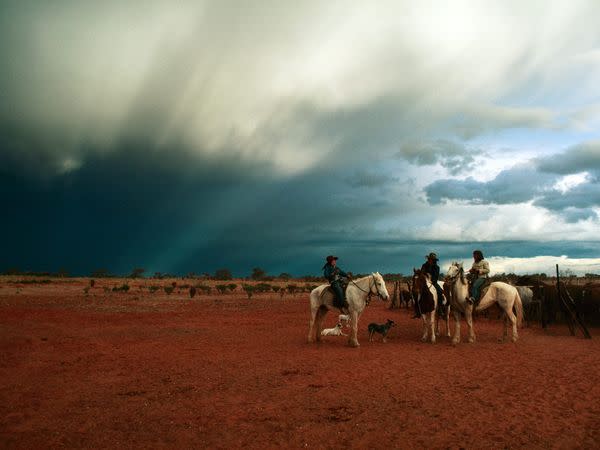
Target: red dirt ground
x=142 y=370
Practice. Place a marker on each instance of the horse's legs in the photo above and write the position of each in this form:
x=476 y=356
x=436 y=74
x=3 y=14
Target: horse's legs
x=424 y=337
x=448 y=320
x=371 y=336
x=353 y=338
x=432 y=323
x=505 y=331
x=456 y=337
x=513 y=319
x=469 y=319
x=311 y=327
x=321 y=312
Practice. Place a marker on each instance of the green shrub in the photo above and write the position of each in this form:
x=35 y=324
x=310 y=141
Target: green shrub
x=249 y=290
x=204 y=288
x=221 y=288
x=169 y=289
x=292 y=288
x=123 y=288
x=262 y=287
x=192 y=292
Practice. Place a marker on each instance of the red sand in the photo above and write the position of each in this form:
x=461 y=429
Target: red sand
x=146 y=370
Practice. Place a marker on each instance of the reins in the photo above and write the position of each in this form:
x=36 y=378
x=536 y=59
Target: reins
x=369 y=292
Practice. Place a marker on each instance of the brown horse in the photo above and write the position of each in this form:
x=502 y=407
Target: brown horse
x=425 y=294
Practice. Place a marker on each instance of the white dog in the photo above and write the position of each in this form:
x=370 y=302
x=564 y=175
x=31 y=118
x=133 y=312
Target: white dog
x=336 y=331
x=344 y=319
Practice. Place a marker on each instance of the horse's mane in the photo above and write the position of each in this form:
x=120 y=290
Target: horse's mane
x=364 y=278
x=461 y=270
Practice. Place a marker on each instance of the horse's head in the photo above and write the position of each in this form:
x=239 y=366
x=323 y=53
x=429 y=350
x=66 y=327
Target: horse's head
x=419 y=280
x=455 y=270
x=379 y=287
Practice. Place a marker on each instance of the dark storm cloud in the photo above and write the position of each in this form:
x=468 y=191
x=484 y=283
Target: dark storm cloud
x=190 y=136
x=131 y=206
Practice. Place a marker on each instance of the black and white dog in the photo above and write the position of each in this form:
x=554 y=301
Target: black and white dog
x=381 y=329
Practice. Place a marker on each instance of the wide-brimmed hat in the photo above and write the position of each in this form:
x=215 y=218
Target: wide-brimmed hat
x=331 y=258
x=432 y=256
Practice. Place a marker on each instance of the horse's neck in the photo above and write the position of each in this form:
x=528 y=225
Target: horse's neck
x=363 y=282
x=363 y=285
x=461 y=281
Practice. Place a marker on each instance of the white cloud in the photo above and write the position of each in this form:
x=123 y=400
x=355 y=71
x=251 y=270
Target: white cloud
x=462 y=222
x=543 y=264
x=569 y=182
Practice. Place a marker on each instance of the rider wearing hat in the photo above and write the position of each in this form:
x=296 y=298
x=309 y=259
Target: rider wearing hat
x=431 y=267
x=478 y=273
x=337 y=278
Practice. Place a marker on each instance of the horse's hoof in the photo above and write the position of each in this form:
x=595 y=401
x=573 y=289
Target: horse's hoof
x=514 y=339
x=471 y=340
x=354 y=344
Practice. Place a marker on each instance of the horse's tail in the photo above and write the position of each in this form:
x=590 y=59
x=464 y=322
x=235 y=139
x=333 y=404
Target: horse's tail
x=519 y=308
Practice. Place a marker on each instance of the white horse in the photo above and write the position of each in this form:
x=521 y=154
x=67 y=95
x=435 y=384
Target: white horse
x=358 y=295
x=425 y=294
x=505 y=295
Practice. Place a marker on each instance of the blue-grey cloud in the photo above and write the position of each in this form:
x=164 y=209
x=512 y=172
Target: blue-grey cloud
x=370 y=179
x=516 y=185
x=452 y=155
x=582 y=196
x=535 y=182
x=584 y=157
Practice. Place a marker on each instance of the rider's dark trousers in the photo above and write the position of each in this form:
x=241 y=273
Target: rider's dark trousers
x=339 y=292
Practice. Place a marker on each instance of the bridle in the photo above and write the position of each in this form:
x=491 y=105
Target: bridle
x=459 y=274
x=416 y=279
x=370 y=292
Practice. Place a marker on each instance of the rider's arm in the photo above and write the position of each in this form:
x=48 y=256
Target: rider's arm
x=435 y=273
x=485 y=268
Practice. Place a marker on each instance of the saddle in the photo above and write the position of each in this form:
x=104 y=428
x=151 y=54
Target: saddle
x=484 y=287
x=328 y=292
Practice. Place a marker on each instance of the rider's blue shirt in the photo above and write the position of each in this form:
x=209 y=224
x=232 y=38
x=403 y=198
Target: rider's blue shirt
x=333 y=274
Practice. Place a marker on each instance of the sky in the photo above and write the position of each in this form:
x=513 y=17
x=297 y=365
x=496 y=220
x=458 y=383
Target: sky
x=196 y=135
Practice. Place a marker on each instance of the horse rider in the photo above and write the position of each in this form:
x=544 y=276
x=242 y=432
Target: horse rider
x=431 y=267
x=478 y=274
x=338 y=280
